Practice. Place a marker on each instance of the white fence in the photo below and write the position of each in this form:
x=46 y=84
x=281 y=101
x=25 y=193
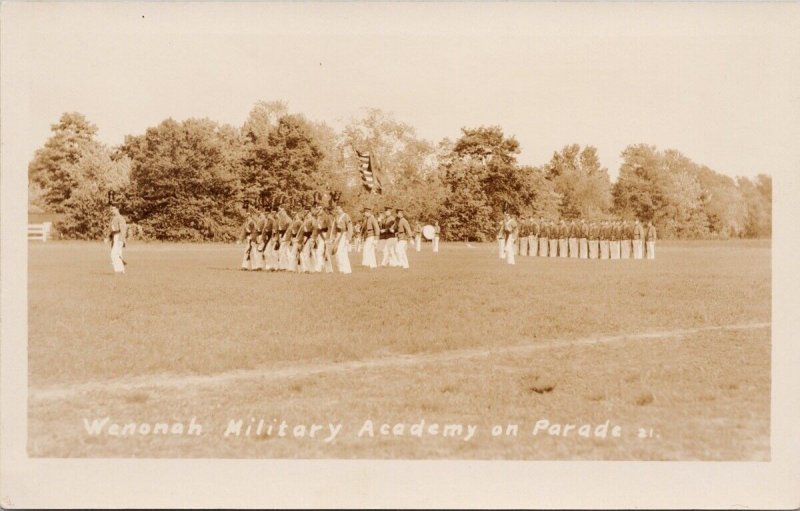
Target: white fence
x=39 y=232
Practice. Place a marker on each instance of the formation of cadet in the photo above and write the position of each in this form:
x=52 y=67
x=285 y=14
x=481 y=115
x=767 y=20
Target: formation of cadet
x=313 y=240
x=389 y=233
x=618 y=239
x=310 y=240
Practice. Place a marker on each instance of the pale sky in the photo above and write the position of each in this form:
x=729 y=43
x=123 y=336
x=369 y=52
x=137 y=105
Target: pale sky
x=718 y=82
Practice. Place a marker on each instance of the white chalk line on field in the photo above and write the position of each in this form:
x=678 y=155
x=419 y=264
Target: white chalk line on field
x=304 y=370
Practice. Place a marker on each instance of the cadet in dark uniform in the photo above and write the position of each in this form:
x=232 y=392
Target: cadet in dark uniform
x=533 y=238
x=248 y=238
x=553 y=230
x=511 y=231
x=563 y=239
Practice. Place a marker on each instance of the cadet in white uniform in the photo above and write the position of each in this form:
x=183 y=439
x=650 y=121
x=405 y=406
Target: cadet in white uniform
x=117 y=236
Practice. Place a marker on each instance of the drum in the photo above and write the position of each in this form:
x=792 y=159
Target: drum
x=428 y=231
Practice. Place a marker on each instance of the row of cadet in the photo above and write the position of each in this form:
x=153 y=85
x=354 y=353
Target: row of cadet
x=607 y=239
x=312 y=240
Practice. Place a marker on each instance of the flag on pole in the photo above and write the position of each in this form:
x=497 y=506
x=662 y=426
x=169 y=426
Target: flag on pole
x=369 y=172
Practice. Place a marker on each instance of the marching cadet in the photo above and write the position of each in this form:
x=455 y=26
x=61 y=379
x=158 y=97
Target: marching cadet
x=342 y=232
x=574 y=234
x=389 y=235
x=117 y=233
x=563 y=237
x=418 y=235
x=533 y=238
x=583 y=240
x=268 y=241
x=437 y=231
x=553 y=227
x=403 y=235
x=257 y=255
x=295 y=235
x=544 y=237
x=501 y=240
x=510 y=231
x=284 y=225
x=370 y=230
x=627 y=238
x=616 y=235
x=522 y=241
x=322 y=254
x=638 y=239
x=248 y=237
x=650 y=238
x=306 y=241
x=605 y=234
x=594 y=240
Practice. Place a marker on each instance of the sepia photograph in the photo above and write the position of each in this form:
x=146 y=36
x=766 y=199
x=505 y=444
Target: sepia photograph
x=482 y=232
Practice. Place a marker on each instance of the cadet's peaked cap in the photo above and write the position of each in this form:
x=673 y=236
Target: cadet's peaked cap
x=367 y=208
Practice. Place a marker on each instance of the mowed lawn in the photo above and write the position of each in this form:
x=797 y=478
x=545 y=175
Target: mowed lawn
x=184 y=311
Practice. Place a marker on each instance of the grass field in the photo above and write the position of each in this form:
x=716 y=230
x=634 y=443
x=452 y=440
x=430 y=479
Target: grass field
x=676 y=350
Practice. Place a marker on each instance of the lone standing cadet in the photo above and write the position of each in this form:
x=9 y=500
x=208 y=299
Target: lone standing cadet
x=437 y=231
x=650 y=238
x=403 y=235
x=638 y=239
x=418 y=235
x=117 y=234
x=370 y=229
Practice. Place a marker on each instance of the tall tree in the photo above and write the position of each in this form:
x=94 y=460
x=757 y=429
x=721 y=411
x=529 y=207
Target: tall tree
x=52 y=167
x=580 y=180
x=184 y=179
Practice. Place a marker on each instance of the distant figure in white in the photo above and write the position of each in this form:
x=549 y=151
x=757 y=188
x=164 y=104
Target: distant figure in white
x=404 y=234
x=117 y=237
x=650 y=238
x=510 y=231
x=342 y=233
x=436 y=232
x=418 y=236
x=370 y=230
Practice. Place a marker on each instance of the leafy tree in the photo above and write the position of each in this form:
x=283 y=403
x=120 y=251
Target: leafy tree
x=580 y=180
x=184 y=179
x=52 y=167
x=286 y=163
x=757 y=196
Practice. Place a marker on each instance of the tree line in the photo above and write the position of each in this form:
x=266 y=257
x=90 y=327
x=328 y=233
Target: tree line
x=190 y=180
